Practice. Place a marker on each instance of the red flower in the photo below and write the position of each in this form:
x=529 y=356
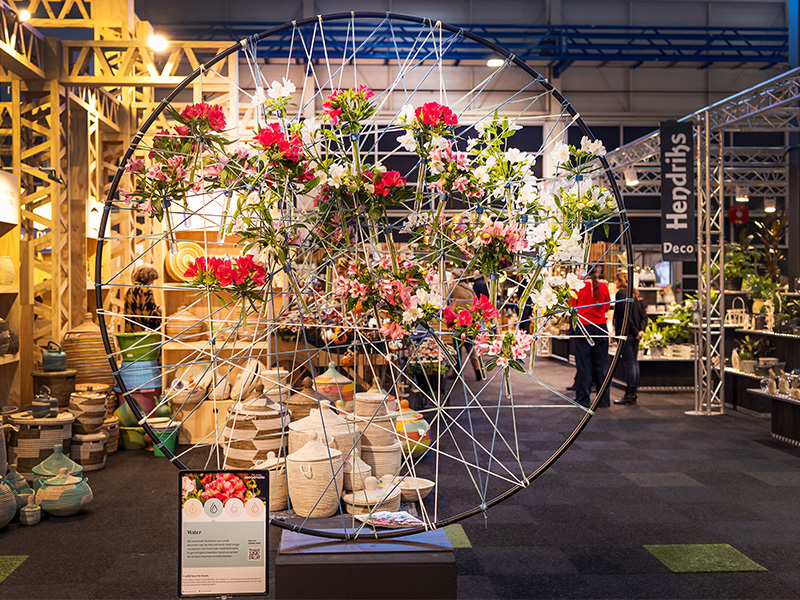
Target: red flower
x=270 y=135
x=434 y=114
x=387 y=181
x=464 y=318
x=182 y=130
x=483 y=304
x=224 y=273
x=330 y=108
x=212 y=114
x=449 y=315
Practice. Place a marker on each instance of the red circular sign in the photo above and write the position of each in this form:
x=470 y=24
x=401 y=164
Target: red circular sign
x=738 y=214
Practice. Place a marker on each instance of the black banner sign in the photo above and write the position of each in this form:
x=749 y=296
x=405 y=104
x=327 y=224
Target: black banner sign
x=678 y=219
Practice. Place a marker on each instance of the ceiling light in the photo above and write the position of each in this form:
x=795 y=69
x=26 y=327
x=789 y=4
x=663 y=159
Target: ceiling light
x=24 y=15
x=741 y=194
x=158 y=43
x=631 y=179
x=495 y=62
x=769 y=205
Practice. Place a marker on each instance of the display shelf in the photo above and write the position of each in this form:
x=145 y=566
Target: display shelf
x=8 y=359
x=743 y=373
x=9 y=289
x=790 y=336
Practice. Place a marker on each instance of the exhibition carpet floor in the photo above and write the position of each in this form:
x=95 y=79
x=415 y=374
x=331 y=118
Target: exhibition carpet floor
x=638 y=476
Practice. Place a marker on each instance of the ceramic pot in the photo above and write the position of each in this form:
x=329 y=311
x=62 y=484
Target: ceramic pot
x=53 y=359
x=314 y=478
x=8 y=503
x=52 y=465
x=6 y=270
x=63 y=495
x=86 y=353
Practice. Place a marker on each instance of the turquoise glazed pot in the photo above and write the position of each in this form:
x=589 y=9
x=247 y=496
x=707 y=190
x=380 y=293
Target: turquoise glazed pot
x=8 y=503
x=63 y=495
x=52 y=465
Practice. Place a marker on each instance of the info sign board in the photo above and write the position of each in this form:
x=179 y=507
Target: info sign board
x=678 y=204
x=223 y=533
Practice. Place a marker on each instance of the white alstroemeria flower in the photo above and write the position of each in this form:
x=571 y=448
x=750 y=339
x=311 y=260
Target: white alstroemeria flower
x=596 y=147
x=378 y=168
x=556 y=281
x=544 y=298
x=412 y=314
x=471 y=143
x=253 y=198
x=570 y=249
x=574 y=282
x=309 y=129
x=481 y=174
x=560 y=153
x=338 y=174
x=281 y=89
x=370 y=187
x=406 y=114
x=528 y=194
x=480 y=127
x=515 y=155
x=431 y=298
x=548 y=202
x=258 y=98
x=407 y=141
x=491 y=161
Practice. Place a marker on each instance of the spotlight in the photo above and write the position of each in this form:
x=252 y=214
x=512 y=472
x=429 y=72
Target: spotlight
x=741 y=194
x=495 y=63
x=158 y=43
x=24 y=15
x=769 y=205
x=631 y=179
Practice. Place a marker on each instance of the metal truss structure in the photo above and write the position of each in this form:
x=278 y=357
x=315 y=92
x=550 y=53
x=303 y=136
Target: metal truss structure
x=561 y=45
x=771 y=106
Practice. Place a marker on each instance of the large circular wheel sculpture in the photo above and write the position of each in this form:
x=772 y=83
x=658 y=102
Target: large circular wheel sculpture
x=343 y=223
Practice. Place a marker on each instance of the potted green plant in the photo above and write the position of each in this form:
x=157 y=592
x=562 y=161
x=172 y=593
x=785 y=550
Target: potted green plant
x=654 y=340
x=748 y=350
x=760 y=289
x=741 y=260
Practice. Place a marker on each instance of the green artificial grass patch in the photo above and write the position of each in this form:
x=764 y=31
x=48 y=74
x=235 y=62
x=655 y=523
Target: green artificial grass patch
x=8 y=564
x=457 y=536
x=703 y=558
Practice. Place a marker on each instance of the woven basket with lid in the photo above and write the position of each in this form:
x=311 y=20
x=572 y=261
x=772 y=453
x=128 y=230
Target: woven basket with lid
x=86 y=354
x=379 y=431
x=89 y=450
x=278 y=497
x=336 y=432
x=335 y=387
x=89 y=409
x=303 y=401
x=384 y=460
x=35 y=439
x=315 y=479
x=185 y=326
x=355 y=472
x=254 y=429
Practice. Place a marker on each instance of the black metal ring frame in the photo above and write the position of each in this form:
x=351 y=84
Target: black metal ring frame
x=624 y=225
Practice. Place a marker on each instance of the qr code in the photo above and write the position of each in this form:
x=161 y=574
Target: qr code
x=254 y=554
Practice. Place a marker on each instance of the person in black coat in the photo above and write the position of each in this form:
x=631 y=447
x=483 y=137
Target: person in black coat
x=636 y=325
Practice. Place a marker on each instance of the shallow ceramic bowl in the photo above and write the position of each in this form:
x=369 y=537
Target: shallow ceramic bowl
x=411 y=485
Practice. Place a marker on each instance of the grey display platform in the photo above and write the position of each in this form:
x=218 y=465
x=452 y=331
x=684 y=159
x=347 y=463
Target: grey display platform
x=416 y=566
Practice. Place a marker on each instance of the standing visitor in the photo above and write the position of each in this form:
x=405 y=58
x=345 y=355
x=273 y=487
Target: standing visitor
x=636 y=323
x=591 y=359
x=140 y=306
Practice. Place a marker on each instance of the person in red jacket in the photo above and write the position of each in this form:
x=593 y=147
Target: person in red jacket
x=591 y=357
